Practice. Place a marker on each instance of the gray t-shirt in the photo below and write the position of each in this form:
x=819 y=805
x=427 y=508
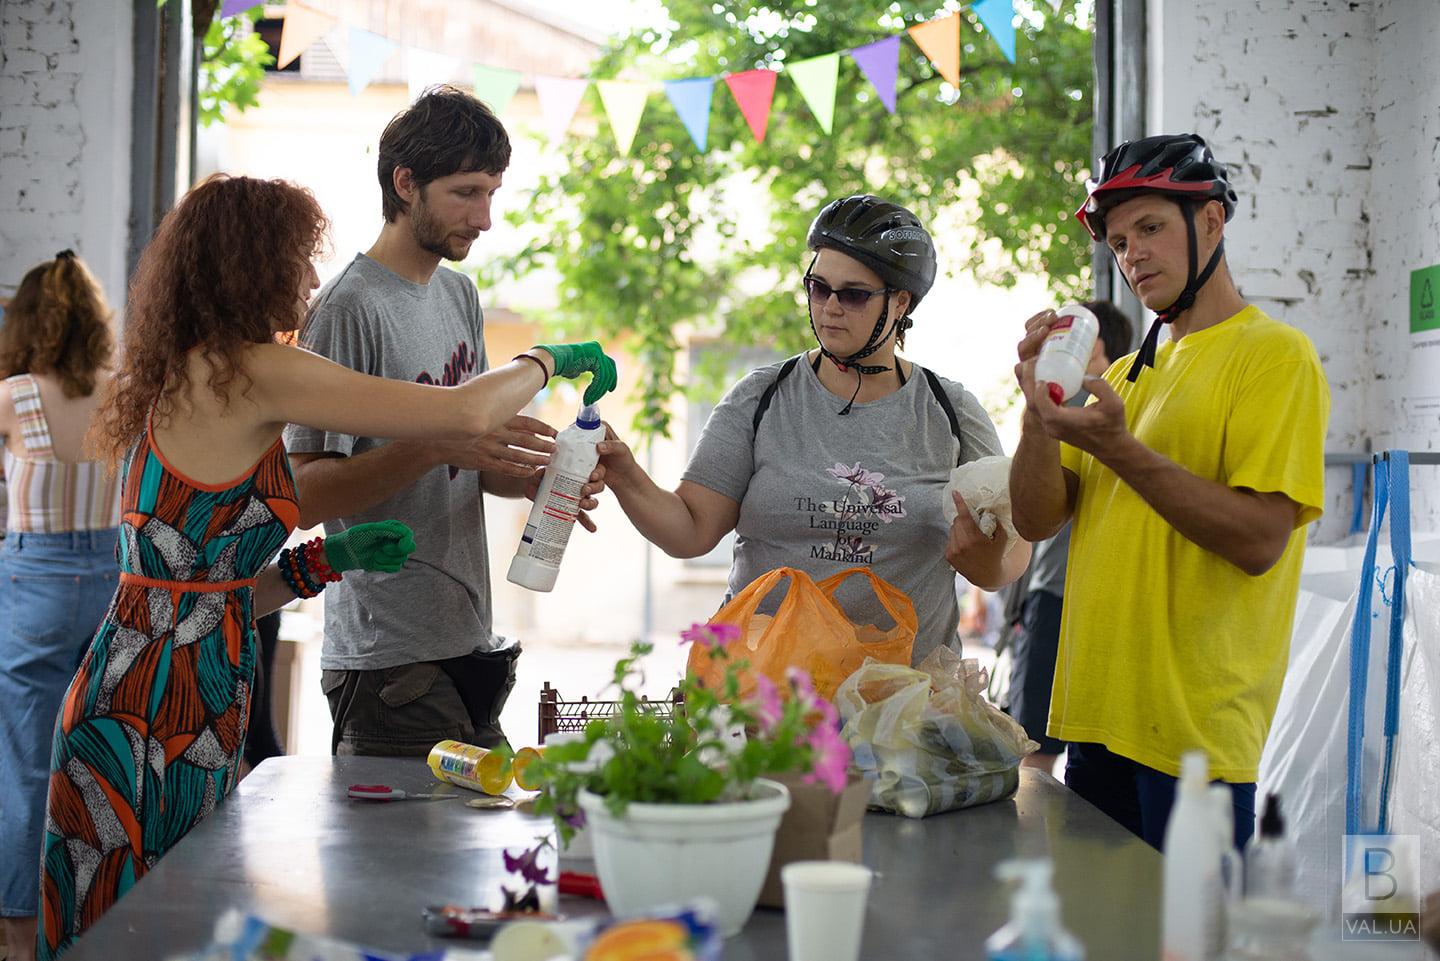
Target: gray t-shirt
x=1047 y=566
x=1052 y=556
x=438 y=605
x=822 y=493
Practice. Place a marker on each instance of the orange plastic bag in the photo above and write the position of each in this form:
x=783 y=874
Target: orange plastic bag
x=809 y=631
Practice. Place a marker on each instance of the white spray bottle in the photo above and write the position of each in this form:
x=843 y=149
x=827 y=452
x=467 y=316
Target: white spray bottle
x=1033 y=932
x=1192 y=901
x=547 y=530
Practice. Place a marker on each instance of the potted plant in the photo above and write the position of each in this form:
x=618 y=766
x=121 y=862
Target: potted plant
x=677 y=804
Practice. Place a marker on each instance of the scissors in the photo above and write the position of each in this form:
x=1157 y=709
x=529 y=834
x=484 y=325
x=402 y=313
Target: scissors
x=384 y=792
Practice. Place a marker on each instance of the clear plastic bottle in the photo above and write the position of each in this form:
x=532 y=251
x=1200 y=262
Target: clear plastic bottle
x=1066 y=351
x=547 y=530
x=1270 y=856
x=1033 y=932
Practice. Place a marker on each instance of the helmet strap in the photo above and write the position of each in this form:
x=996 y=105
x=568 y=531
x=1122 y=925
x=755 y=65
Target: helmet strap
x=1145 y=357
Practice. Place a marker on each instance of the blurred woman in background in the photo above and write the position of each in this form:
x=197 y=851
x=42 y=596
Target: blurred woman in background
x=57 y=564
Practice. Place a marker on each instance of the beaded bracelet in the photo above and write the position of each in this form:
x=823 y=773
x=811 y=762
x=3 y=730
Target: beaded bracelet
x=291 y=573
x=319 y=566
x=307 y=576
x=287 y=574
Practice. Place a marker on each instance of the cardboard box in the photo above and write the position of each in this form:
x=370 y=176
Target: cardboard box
x=820 y=826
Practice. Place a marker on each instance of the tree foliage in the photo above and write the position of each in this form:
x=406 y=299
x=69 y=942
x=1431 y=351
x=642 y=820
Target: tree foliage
x=668 y=236
x=232 y=66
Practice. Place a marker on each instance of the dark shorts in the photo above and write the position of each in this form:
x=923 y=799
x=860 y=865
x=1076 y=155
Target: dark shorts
x=1032 y=667
x=403 y=711
x=1139 y=797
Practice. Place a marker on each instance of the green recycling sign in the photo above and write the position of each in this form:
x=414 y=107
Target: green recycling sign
x=1425 y=299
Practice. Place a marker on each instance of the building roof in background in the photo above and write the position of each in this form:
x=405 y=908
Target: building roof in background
x=505 y=34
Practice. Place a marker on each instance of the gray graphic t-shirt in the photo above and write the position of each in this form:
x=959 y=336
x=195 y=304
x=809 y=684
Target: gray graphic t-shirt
x=822 y=493
x=438 y=605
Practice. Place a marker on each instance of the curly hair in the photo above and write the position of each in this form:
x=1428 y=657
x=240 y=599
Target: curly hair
x=58 y=324
x=224 y=270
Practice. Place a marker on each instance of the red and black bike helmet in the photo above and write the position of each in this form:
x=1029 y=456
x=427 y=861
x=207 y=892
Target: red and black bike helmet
x=1177 y=164
x=1181 y=167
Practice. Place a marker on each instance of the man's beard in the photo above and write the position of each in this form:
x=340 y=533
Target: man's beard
x=429 y=235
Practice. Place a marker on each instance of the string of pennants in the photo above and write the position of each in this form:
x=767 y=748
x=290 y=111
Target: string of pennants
x=624 y=100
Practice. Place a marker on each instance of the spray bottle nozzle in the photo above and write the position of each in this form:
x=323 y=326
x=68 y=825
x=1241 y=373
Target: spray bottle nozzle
x=589 y=417
x=1034 y=908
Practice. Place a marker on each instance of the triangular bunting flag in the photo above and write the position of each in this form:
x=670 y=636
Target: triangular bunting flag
x=940 y=41
x=691 y=100
x=496 y=87
x=998 y=16
x=816 y=79
x=559 y=98
x=624 y=102
x=753 y=91
x=424 y=68
x=302 y=27
x=880 y=63
x=368 y=53
x=231 y=7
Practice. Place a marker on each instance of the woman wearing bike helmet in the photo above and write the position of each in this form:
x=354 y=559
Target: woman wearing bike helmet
x=838 y=457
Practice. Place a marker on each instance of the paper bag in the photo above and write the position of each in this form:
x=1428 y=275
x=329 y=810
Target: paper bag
x=819 y=826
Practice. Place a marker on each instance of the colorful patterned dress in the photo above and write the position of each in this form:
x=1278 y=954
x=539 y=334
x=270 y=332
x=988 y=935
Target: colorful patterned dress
x=149 y=739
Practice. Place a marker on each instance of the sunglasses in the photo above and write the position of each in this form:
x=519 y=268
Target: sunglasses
x=850 y=298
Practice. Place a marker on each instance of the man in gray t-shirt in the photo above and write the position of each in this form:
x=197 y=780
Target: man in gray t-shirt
x=411 y=658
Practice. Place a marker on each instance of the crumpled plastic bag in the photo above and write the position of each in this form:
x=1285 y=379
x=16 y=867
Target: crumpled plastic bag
x=927 y=738
x=985 y=486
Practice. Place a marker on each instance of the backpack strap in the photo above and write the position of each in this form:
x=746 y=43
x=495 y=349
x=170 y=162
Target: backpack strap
x=948 y=408
x=769 y=394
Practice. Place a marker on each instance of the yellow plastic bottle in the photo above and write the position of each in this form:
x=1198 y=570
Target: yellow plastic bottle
x=526 y=776
x=469 y=766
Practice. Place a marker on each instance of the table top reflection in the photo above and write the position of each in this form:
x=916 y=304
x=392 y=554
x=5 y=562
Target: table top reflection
x=290 y=847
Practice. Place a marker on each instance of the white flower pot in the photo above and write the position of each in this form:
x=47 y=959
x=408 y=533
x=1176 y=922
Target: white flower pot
x=664 y=854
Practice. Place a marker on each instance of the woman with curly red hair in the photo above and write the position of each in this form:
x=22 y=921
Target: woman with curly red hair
x=57 y=567
x=150 y=734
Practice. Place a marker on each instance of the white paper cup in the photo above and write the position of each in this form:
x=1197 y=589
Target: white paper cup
x=824 y=909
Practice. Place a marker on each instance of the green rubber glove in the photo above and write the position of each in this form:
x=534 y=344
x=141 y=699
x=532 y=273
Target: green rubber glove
x=572 y=360
x=381 y=546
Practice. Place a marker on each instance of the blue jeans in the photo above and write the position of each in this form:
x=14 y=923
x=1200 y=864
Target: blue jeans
x=1140 y=798
x=54 y=591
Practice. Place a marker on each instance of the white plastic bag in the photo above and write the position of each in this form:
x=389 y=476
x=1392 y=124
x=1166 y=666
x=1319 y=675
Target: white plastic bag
x=985 y=486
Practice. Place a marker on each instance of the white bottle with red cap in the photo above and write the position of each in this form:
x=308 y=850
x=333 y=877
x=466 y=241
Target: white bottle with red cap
x=1066 y=352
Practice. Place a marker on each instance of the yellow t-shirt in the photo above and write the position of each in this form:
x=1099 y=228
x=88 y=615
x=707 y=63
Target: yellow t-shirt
x=1164 y=646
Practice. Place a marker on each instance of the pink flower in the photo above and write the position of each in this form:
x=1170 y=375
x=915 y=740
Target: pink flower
x=710 y=635
x=800 y=681
x=829 y=758
x=766 y=703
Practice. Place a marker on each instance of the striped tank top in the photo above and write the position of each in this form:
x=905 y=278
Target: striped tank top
x=46 y=495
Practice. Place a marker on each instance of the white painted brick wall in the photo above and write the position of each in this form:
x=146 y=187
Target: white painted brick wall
x=1405 y=223
x=65 y=79
x=1328 y=113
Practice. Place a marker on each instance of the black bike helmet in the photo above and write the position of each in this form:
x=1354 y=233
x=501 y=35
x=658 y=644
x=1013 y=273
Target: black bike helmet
x=885 y=237
x=1179 y=166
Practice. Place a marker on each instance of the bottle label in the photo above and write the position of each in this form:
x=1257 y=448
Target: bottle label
x=547 y=536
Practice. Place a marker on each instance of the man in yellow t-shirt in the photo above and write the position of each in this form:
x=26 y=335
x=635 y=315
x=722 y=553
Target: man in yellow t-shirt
x=1190 y=477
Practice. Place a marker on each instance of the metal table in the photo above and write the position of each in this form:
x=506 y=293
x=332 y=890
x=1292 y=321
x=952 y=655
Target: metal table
x=289 y=847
